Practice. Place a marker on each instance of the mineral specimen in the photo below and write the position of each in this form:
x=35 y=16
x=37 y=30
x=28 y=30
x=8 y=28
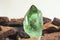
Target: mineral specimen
x=33 y=22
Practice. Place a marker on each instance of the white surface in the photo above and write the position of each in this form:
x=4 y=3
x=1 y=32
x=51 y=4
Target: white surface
x=18 y=8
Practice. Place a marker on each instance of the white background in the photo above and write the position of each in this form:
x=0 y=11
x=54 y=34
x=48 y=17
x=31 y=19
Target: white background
x=18 y=8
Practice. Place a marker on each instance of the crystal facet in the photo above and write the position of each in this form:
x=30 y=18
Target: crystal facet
x=33 y=22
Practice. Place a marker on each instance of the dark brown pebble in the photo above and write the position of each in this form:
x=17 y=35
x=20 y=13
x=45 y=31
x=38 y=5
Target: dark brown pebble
x=14 y=36
x=0 y=28
x=50 y=30
x=3 y=20
x=23 y=35
x=45 y=20
x=56 y=21
x=14 y=24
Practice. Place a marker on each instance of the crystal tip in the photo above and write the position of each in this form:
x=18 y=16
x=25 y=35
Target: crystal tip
x=33 y=8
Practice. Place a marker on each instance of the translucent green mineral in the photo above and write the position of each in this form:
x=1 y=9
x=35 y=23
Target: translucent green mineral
x=33 y=22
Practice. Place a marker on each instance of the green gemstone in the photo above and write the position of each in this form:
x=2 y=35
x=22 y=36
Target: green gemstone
x=33 y=22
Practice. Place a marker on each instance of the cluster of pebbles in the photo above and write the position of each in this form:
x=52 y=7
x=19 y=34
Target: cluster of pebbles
x=13 y=29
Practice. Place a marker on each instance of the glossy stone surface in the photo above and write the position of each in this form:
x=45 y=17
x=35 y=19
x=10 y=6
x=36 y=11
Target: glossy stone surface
x=33 y=22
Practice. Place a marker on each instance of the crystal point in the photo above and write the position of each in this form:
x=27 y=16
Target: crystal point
x=33 y=22
x=33 y=8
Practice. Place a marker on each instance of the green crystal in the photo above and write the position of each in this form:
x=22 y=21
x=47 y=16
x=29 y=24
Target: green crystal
x=33 y=22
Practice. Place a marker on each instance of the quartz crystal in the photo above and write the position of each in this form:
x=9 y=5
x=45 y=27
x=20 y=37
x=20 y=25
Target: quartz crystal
x=33 y=22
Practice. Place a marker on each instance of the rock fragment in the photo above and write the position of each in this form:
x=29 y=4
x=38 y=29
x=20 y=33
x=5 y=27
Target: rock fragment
x=45 y=20
x=3 y=20
x=56 y=21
